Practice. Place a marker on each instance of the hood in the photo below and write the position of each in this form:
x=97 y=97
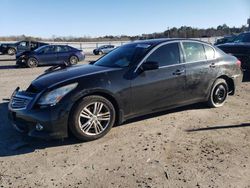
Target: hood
x=235 y=44
x=52 y=78
x=6 y=44
x=19 y=54
x=237 y=49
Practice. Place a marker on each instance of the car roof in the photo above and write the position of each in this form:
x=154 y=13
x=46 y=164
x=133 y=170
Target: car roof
x=155 y=42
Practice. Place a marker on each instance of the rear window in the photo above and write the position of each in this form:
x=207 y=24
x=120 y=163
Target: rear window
x=210 y=53
x=194 y=51
x=62 y=49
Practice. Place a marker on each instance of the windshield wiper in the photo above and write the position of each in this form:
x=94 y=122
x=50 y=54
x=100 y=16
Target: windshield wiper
x=58 y=67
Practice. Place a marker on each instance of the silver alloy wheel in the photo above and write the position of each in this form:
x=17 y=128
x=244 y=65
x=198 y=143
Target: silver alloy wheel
x=11 y=51
x=32 y=62
x=94 y=118
x=73 y=60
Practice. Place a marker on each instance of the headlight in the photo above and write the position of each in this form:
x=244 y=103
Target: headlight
x=53 y=97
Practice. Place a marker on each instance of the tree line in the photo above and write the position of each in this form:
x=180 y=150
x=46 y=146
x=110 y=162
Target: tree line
x=182 y=32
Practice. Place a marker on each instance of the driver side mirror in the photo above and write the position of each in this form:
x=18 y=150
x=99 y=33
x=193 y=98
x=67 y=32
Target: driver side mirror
x=150 y=65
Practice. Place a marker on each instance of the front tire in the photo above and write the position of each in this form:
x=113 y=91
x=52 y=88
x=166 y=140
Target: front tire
x=92 y=118
x=218 y=94
x=11 y=51
x=32 y=62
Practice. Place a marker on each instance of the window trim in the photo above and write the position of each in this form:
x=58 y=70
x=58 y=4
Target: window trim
x=155 y=48
x=204 y=46
x=202 y=43
x=182 y=53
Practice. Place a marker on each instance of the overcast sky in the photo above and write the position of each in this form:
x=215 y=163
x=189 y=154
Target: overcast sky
x=44 y=18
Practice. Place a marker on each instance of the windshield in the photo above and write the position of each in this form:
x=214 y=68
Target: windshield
x=124 y=55
x=244 y=37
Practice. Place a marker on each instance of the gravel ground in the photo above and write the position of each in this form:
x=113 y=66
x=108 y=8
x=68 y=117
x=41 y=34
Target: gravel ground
x=191 y=146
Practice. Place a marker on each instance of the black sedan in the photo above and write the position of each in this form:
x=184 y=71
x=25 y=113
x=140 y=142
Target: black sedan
x=50 y=55
x=239 y=48
x=22 y=46
x=136 y=79
x=225 y=39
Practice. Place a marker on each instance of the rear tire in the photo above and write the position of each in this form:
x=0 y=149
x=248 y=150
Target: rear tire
x=32 y=62
x=92 y=118
x=218 y=94
x=11 y=51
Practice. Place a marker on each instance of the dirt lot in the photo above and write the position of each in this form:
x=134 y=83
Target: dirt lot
x=188 y=147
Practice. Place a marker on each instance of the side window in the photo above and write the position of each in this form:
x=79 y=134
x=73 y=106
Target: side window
x=168 y=54
x=49 y=49
x=33 y=45
x=23 y=44
x=62 y=49
x=210 y=53
x=194 y=51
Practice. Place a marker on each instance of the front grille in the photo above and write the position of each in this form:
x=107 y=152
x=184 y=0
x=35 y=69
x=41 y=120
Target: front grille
x=19 y=102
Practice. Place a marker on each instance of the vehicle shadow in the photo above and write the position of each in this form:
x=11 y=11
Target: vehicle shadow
x=184 y=108
x=8 y=67
x=242 y=125
x=7 y=59
x=14 y=143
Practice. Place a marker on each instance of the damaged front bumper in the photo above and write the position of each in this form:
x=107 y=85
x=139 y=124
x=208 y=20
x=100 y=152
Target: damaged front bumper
x=43 y=122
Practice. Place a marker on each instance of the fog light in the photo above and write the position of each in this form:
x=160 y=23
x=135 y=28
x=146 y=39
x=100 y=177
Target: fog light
x=39 y=127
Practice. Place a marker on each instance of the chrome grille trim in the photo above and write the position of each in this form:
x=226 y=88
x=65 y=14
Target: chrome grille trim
x=19 y=102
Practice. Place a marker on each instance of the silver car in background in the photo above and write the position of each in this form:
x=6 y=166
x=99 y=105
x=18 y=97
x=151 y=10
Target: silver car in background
x=103 y=49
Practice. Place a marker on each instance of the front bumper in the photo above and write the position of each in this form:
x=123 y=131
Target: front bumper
x=20 y=61
x=53 y=119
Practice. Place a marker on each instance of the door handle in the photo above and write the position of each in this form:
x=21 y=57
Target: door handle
x=212 y=65
x=179 y=72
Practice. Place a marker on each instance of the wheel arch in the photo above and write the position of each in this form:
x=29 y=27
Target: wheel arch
x=108 y=96
x=72 y=54
x=34 y=58
x=230 y=83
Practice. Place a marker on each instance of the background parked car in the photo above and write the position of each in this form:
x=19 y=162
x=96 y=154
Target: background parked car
x=103 y=49
x=49 y=55
x=22 y=46
x=239 y=48
x=225 y=39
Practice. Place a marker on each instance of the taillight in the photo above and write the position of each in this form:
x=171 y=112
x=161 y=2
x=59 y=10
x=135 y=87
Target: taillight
x=238 y=63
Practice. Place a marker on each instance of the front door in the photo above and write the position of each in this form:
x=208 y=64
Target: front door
x=48 y=55
x=154 y=90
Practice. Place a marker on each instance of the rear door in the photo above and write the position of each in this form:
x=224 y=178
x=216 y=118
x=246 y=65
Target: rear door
x=201 y=69
x=164 y=87
x=62 y=54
